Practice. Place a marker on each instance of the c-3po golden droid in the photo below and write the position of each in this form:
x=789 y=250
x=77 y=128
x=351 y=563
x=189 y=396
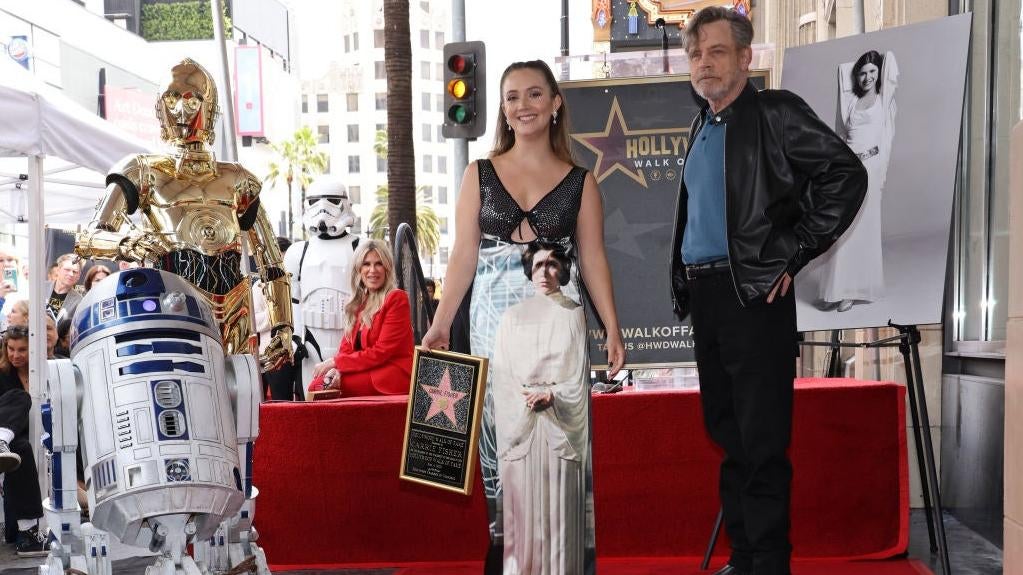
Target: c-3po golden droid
x=195 y=212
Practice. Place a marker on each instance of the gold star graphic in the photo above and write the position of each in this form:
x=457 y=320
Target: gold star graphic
x=611 y=148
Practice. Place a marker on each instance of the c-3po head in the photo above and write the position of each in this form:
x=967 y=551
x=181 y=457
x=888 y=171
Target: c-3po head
x=187 y=108
x=328 y=209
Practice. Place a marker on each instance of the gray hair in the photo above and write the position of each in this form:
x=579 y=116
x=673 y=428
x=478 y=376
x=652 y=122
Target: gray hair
x=742 y=28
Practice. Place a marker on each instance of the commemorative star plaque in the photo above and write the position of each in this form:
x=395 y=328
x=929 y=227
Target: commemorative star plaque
x=443 y=420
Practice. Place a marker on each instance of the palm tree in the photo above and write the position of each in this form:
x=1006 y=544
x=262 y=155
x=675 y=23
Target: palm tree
x=296 y=157
x=401 y=163
x=427 y=223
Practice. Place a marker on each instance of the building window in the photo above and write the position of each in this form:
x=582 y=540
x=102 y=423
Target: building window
x=380 y=70
x=438 y=100
x=382 y=128
x=381 y=101
x=440 y=134
x=440 y=70
x=348 y=44
x=323 y=133
x=355 y=194
x=353 y=133
x=443 y=225
x=427 y=163
x=355 y=41
x=443 y=256
x=424 y=38
x=442 y=164
x=424 y=68
x=353 y=164
x=442 y=194
x=326 y=167
x=381 y=165
x=378 y=38
x=426 y=102
x=438 y=40
x=424 y=5
x=305 y=104
x=353 y=102
x=322 y=103
x=427 y=132
x=427 y=194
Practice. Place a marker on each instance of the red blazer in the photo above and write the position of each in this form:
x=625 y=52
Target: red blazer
x=385 y=356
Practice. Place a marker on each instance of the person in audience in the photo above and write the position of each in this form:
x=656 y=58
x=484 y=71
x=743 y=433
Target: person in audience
x=62 y=292
x=63 y=348
x=431 y=291
x=22 y=497
x=94 y=275
x=375 y=356
x=17 y=314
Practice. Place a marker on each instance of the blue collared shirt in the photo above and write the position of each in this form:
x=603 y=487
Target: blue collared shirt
x=706 y=237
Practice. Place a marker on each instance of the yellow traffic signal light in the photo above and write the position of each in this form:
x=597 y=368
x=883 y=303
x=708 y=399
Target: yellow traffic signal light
x=465 y=90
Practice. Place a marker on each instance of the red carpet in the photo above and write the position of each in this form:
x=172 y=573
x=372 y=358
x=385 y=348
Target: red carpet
x=330 y=494
x=638 y=566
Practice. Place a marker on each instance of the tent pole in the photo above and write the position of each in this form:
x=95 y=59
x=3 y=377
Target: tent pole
x=37 y=370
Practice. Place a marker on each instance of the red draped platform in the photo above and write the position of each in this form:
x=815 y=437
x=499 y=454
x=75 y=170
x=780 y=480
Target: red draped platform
x=330 y=494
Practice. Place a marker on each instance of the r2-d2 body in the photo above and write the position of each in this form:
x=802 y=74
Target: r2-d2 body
x=321 y=270
x=167 y=424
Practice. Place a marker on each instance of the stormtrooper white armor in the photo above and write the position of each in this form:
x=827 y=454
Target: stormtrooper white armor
x=321 y=271
x=167 y=425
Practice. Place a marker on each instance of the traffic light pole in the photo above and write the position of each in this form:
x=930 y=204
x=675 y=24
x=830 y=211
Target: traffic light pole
x=461 y=145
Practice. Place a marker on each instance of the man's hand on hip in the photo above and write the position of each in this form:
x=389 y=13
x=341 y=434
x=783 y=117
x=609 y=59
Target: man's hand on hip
x=781 y=288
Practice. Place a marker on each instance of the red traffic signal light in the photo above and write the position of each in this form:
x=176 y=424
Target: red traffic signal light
x=464 y=90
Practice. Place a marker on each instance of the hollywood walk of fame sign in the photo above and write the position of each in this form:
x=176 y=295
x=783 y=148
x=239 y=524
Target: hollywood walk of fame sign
x=441 y=427
x=632 y=134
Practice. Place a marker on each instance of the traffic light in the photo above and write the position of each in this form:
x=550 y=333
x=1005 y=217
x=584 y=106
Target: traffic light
x=465 y=90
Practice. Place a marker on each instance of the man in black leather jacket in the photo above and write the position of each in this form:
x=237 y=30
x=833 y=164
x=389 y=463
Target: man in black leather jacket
x=766 y=188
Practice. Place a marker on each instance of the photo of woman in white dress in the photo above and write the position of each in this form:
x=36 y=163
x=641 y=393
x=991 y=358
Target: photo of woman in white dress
x=853 y=270
x=542 y=401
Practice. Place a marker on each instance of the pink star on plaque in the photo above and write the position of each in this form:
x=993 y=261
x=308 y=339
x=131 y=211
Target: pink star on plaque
x=443 y=398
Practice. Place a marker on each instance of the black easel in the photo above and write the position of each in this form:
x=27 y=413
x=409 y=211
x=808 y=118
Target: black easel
x=908 y=342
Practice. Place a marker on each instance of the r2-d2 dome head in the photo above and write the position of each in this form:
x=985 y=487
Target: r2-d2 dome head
x=328 y=210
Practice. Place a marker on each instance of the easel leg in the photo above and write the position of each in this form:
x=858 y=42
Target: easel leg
x=713 y=539
x=922 y=429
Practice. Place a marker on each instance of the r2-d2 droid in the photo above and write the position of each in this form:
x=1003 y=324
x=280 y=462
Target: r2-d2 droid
x=167 y=426
x=321 y=271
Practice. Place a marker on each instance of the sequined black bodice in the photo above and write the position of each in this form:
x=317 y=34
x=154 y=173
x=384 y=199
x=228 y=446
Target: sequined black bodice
x=552 y=218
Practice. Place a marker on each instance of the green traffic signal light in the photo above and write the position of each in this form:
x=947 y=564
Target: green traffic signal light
x=458 y=114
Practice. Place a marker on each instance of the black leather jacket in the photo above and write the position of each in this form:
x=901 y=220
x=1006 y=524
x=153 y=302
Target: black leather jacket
x=792 y=186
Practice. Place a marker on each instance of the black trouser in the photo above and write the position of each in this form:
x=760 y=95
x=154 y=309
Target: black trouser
x=746 y=358
x=22 y=498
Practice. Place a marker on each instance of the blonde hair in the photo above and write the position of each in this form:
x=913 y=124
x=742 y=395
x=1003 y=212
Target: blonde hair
x=365 y=303
x=20 y=306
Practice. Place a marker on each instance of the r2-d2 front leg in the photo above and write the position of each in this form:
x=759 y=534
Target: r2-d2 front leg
x=234 y=543
x=72 y=545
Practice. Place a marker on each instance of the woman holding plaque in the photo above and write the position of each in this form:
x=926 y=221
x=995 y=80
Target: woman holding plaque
x=375 y=355
x=530 y=190
x=853 y=271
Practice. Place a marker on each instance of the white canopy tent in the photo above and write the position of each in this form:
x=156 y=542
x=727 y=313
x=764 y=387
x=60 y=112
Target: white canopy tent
x=40 y=125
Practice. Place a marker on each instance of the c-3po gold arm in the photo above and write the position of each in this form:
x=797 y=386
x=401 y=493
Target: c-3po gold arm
x=102 y=238
x=276 y=292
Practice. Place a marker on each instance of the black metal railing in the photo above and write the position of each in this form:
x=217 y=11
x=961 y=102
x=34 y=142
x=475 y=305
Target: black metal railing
x=409 y=275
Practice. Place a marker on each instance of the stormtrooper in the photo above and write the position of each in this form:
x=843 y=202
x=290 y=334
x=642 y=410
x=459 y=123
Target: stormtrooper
x=321 y=272
x=165 y=424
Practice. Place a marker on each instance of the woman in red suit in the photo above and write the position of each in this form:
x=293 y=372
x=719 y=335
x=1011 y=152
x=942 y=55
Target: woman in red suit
x=375 y=356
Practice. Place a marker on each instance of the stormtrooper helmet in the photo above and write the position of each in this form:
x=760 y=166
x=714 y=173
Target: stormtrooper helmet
x=328 y=210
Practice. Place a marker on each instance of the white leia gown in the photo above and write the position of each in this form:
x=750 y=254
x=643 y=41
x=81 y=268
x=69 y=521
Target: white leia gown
x=543 y=454
x=854 y=267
